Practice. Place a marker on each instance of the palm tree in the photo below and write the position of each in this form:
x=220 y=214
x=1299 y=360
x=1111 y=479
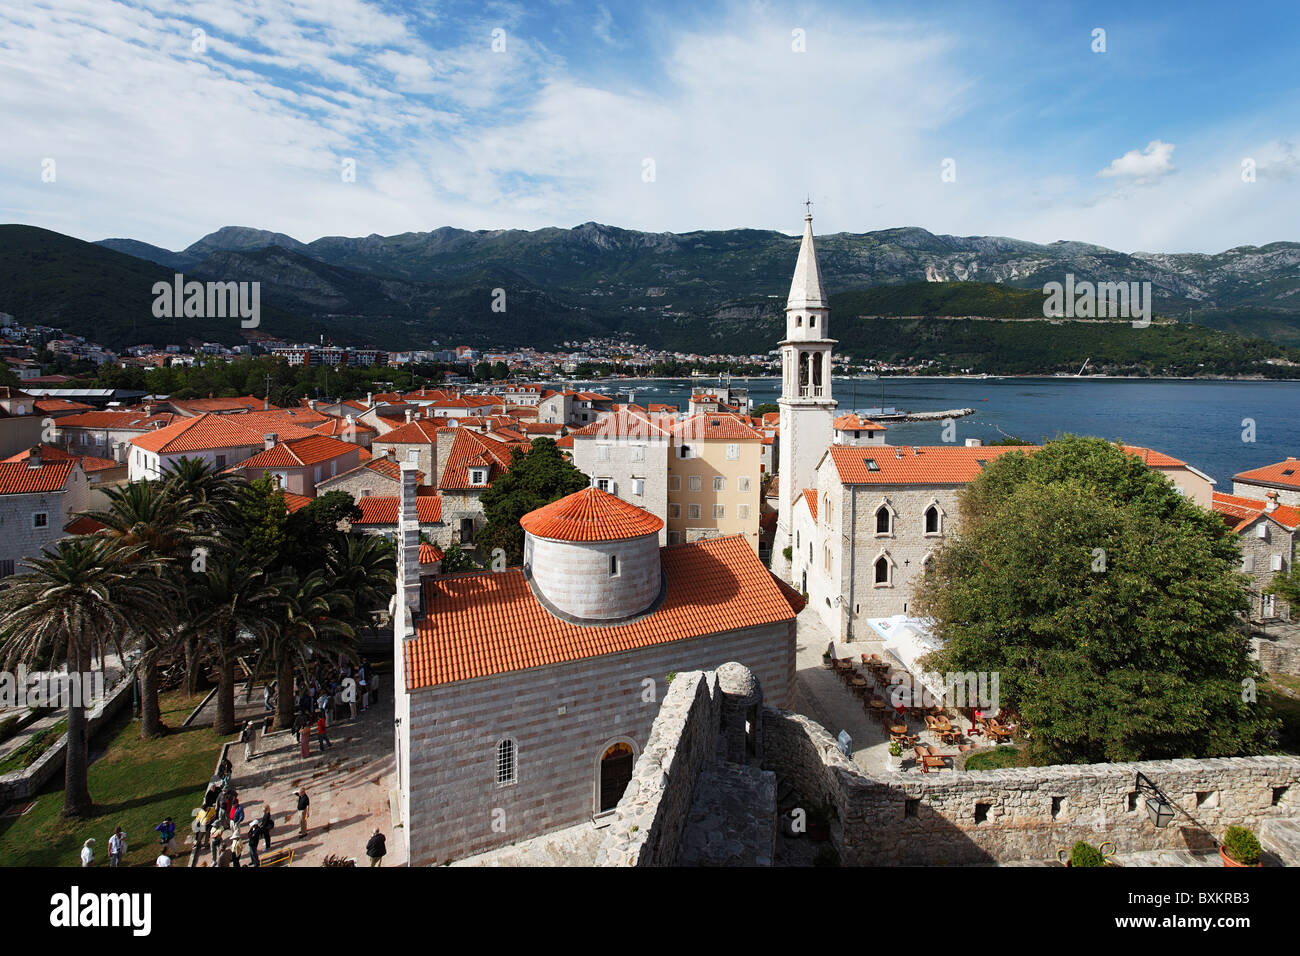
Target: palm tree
x=82 y=594
x=364 y=567
x=234 y=609
x=165 y=526
x=316 y=614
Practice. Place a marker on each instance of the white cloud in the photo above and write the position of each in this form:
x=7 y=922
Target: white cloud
x=1143 y=165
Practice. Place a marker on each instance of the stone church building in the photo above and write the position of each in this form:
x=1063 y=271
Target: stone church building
x=526 y=695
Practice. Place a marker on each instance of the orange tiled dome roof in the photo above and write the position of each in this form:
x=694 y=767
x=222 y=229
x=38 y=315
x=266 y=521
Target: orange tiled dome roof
x=590 y=515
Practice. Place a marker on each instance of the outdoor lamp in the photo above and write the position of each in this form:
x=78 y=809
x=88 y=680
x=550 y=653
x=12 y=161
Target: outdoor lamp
x=1159 y=809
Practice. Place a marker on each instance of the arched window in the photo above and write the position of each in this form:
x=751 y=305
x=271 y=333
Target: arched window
x=798 y=321
x=883 y=520
x=812 y=321
x=613 y=565
x=826 y=509
x=932 y=520
x=882 y=570
x=506 y=763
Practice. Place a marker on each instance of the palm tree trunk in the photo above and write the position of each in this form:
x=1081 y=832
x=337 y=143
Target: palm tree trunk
x=284 y=702
x=192 y=664
x=76 y=785
x=226 y=698
x=151 y=724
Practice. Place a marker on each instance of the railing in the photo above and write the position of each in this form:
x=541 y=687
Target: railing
x=811 y=391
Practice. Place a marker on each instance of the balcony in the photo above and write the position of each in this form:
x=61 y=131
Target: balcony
x=812 y=391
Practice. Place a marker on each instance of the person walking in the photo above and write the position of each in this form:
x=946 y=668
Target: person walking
x=88 y=852
x=322 y=737
x=268 y=695
x=304 y=808
x=375 y=848
x=249 y=739
x=218 y=839
x=363 y=675
x=167 y=836
x=267 y=824
x=236 y=848
x=116 y=847
x=304 y=738
x=323 y=705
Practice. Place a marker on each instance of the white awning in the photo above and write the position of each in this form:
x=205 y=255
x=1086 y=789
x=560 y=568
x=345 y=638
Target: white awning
x=906 y=640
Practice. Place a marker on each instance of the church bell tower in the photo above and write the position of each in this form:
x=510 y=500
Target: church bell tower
x=807 y=408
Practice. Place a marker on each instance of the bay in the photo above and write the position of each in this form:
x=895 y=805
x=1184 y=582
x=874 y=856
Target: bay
x=1205 y=423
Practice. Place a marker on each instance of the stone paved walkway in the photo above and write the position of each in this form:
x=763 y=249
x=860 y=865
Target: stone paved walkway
x=348 y=785
x=572 y=846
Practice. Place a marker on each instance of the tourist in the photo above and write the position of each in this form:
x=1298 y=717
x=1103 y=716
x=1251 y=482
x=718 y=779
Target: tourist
x=249 y=739
x=224 y=771
x=363 y=675
x=375 y=849
x=210 y=798
x=167 y=835
x=88 y=852
x=267 y=824
x=323 y=704
x=254 y=832
x=321 y=736
x=218 y=838
x=116 y=847
x=350 y=684
x=236 y=847
x=225 y=856
x=236 y=812
x=304 y=808
x=163 y=860
x=268 y=696
x=374 y=688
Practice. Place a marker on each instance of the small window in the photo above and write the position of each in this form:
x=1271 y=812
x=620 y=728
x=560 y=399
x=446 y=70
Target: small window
x=719 y=483
x=602 y=453
x=365 y=492
x=882 y=571
x=506 y=762
x=742 y=512
x=674 y=511
x=719 y=511
x=932 y=520
x=872 y=464
x=684 y=451
x=638 y=486
x=742 y=483
x=798 y=321
x=674 y=537
x=693 y=511
x=638 y=452
x=693 y=483
x=221 y=461
x=733 y=451
x=613 y=565
x=675 y=483
x=602 y=484
x=812 y=321
x=882 y=520
x=40 y=519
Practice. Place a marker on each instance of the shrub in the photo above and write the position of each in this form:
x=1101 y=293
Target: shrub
x=1084 y=855
x=895 y=749
x=1241 y=845
x=788 y=551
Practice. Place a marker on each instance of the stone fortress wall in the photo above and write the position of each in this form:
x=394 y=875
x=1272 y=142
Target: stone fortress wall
x=948 y=817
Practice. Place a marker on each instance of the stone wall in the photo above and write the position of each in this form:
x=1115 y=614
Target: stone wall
x=949 y=817
x=24 y=784
x=562 y=718
x=1278 y=656
x=649 y=820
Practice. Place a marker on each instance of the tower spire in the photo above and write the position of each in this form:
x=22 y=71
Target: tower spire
x=806 y=288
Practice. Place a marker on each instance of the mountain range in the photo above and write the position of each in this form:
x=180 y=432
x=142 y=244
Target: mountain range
x=720 y=291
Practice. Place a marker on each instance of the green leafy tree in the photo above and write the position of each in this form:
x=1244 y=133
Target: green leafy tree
x=82 y=595
x=1286 y=586
x=533 y=480
x=455 y=560
x=1107 y=604
x=312 y=529
x=261 y=523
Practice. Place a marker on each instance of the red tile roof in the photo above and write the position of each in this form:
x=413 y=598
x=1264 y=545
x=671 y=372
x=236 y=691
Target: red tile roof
x=430 y=553
x=382 y=509
x=715 y=425
x=625 y=424
x=809 y=496
x=89 y=463
x=293 y=502
x=19 y=478
x=337 y=427
x=83 y=525
x=118 y=420
x=1239 y=512
x=1284 y=474
x=471 y=447
x=928 y=465
x=422 y=431
x=299 y=453
x=1153 y=458
x=482 y=622
x=850 y=421
x=590 y=515
x=203 y=432
x=200 y=405
x=541 y=428
x=49 y=405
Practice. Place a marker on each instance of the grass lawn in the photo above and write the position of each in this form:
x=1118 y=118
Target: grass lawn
x=31 y=751
x=997 y=758
x=134 y=783
x=1285 y=707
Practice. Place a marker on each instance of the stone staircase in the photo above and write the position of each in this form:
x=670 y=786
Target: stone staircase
x=1280 y=840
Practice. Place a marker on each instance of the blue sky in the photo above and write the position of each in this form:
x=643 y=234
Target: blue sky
x=738 y=109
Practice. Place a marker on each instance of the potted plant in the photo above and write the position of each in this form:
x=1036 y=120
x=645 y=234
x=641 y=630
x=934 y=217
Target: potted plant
x=1082 y=854
x=895 y=755
x=1240 y=848
x=826 y=660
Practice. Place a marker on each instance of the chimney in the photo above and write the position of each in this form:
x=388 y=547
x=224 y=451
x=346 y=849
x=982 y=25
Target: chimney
x=268 y=440
x=369 y=396
x=1271 y=503
x=34 y=457
x=974 y=442
x=311 y=403
x=408 y=416
x=898 y=453
x=408 y=540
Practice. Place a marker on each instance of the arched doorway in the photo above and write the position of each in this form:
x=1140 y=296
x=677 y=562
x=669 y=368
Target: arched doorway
x=614 y=773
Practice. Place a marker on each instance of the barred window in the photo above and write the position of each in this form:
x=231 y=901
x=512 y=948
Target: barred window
x=694 y=482
x=505 y=762
x=692 y=511
x=719 y=483
x=719 y=511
